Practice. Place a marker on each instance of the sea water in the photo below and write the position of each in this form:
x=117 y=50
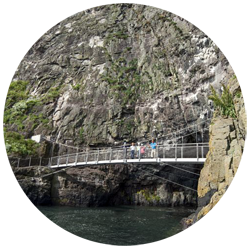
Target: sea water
x=125 y=225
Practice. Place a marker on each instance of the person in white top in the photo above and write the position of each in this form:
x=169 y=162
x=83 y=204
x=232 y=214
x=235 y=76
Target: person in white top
x=132 y=149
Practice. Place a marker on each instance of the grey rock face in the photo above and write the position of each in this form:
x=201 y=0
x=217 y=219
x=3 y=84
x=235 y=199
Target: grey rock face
x=121 y=71
x=108 y=185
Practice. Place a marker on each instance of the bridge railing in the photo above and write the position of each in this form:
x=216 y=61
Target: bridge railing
x=168 y=151
x=171 y=151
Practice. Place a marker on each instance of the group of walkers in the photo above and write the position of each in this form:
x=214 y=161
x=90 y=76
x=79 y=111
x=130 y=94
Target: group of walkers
x=140 y=149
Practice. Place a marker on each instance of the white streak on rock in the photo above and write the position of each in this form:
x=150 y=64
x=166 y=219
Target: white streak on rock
x=68 y=25
x=79 y=44
x=102 y=21
x=95 y=41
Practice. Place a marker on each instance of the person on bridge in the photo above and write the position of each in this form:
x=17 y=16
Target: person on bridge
x=132 y=149
x=153 y=148
x=142 y=150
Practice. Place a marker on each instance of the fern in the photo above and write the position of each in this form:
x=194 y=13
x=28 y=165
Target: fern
x=224 y=104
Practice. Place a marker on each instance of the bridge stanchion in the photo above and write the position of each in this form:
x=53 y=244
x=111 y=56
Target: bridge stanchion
x=76 y=159
x=29 y=161
x=157 y=153
x=139 y=154
x=197 y=151
x=40 y=162
x=58 y=161
x=86 y=160
x=18 y=162
x=196 y=132
x=98 y=153
x=125 y=154
x=182 y=151
x=175 y=151
x=202 y=152
x=110 y=156
x=67 y=160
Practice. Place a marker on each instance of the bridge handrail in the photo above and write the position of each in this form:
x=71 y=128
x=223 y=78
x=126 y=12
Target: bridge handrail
x=95 y=151
x=125 y=151
x=174 y=151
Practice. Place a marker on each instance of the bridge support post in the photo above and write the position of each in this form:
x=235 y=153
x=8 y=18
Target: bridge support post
x=110 y=156
x=139 y=154
x=125 y=154
x=29 y=161
x=67 y=160
x=40 y=162
x=196 y=132
x=157 y=153
x=18 y=162
x=98 y=156
x=197 y=151
x=87 y=154
x=58 y=161
x=175 y=151
x=202 y=152
x=76 y=159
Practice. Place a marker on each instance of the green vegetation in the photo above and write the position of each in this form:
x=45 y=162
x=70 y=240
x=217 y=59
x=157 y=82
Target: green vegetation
x=164 y=18
x=124 y=80
x=238 y=94
x=149 y=196
x=76 y=87
x=17 y=92
x=174 y=24
x=224 y=104
x=17 y=145
x=52 y=94
x=24 y=110
x=116 y=35
x=81 y=133
x=22 y=113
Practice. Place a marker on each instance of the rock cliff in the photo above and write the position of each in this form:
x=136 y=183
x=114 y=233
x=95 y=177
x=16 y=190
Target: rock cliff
x=111 y=73
x=227 y=138
x=108 y=185
x=115 y=72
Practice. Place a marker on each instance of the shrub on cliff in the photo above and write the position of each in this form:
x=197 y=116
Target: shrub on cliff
x=224 y=104
x=18 y=146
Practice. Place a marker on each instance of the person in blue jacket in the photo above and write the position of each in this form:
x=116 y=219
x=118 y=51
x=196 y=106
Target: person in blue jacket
x=153 y=148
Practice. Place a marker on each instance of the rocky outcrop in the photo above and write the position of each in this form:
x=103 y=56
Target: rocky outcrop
x=227 y=138
x=117 y=72
x=215 y=172
x=107 y=185
x=38 y=190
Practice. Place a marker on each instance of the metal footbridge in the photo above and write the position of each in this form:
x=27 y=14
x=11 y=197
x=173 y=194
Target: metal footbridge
x=167 y=151
x=181 y=153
